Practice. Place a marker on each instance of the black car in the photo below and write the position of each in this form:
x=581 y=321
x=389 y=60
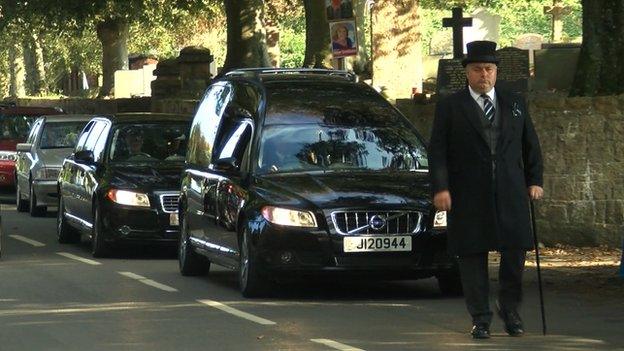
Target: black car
x=121 y=183
x=306 y=172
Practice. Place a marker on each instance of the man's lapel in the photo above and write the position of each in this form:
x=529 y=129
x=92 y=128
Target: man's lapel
x=504 y=103
x=468 y=106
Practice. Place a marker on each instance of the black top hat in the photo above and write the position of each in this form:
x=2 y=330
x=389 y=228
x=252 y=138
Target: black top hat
x=481 y=51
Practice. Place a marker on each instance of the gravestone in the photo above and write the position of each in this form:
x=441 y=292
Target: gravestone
x=513 y=72
x=531 y=42
x=485 y=26
x=513 y=69
x=451 y=77
x=457 y=22
x=555 y=66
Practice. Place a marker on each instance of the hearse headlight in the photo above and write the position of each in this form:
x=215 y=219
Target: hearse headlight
x=8 y=156
x=439 y=221
x=284 y=216
x=128 y=198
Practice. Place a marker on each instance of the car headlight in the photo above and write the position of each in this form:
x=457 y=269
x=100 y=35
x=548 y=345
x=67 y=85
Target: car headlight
x=284 y=216
x=129 y=198
x=439 y=221
x=46 y=173
x=8 y=156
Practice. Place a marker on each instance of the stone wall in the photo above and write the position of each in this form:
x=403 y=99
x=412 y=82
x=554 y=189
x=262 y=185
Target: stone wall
x=583 y=145
x=91 y=106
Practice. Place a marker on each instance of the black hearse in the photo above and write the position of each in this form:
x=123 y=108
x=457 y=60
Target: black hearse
x=121 y=184
x=295 y=172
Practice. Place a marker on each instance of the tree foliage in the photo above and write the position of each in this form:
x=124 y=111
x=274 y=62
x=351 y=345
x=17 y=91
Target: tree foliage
x=517 y=17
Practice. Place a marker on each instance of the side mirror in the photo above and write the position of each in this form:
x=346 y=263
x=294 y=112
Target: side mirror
x=84 y=156
x=228 y=164
x=24 y=147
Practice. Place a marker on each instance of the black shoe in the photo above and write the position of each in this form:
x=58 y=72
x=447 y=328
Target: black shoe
x=480 y=331
x=513 y=322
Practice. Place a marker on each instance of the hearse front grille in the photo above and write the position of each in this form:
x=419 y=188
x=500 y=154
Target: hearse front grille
x=169 y=202
x=377 y=222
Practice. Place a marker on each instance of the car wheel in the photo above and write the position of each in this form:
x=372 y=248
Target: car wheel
x=450 y=283
x=22 y=206
x=35 y=211
x=64 y=232
x=252 y=283
x=191 y=263
x=99 y=247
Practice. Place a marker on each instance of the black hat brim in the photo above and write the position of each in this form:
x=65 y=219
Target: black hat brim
x=481 y=59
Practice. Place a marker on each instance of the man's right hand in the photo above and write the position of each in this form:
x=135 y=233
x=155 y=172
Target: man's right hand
x=442 y=200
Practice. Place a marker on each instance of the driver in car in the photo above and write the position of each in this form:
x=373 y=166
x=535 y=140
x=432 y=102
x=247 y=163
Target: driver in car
x=134 y=142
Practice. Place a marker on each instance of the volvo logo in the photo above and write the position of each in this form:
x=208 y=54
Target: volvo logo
x=377 y=222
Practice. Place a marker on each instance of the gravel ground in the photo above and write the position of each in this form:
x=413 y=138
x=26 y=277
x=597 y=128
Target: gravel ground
x=587 y=271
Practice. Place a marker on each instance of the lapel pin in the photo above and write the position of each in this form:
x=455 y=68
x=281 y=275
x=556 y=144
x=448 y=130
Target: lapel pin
x=515 y=110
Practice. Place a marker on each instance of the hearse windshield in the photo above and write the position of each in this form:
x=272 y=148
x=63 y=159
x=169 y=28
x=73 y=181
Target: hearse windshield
x=149 y=142
x=319 y=127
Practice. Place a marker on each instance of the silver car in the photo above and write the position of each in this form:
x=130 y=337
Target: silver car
x=39 y=160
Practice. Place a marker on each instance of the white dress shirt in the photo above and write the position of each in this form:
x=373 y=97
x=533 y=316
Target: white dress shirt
x=477 y=97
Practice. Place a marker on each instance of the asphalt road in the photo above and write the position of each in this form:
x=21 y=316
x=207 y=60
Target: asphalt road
x=57 y=297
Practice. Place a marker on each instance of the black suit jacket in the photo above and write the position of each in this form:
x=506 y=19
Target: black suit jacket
x=487 y=213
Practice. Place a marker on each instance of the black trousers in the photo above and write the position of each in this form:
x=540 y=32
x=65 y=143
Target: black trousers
x=475 y=281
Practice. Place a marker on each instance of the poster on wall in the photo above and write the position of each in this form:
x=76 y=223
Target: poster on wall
x=343 y=38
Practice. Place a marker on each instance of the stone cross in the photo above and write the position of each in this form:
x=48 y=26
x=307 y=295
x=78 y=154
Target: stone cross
x=457 y=22
x=557 y=11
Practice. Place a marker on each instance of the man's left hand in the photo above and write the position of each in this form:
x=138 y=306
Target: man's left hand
x=536 y=192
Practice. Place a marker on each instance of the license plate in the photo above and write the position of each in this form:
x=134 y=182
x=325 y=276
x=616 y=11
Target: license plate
x=174 y=219
x=377 y=243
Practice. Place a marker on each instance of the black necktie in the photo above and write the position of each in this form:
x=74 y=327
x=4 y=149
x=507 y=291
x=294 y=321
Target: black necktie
x=488 y=107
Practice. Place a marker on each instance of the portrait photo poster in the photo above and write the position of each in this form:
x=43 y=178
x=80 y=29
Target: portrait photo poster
x=343 y=35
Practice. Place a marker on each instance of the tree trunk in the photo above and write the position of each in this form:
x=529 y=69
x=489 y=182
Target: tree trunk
x=600 y=70
x=246 y=37
x=16 y=70
x=113 y=35
x=272 y=34
x=361 y=63
x=35 y=69
x=397 y=59
x=317 y=52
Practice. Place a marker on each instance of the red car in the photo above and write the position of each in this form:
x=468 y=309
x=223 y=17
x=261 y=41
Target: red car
x=15 y=123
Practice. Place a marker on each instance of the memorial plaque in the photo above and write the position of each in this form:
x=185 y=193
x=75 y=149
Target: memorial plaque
x=451 y=77
x=513 y=69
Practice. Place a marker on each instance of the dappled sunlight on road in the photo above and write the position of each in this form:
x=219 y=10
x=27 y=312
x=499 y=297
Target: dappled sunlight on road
x=43 y=309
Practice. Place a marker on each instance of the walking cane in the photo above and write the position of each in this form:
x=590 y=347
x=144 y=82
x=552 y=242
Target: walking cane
x=539 y=272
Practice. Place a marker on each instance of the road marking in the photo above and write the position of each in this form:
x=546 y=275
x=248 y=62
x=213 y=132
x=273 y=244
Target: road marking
x=335 y=345
x=149 y=282
x=32 y=242
x=235 y=312
x=78 y=258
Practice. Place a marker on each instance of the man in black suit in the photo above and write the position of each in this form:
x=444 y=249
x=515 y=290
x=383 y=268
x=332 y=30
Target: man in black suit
x=485 y=163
